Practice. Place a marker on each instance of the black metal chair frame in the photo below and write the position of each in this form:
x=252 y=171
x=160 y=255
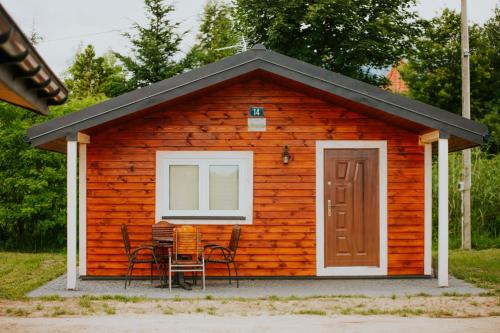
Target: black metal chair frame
x=228 y=253
x=132 y=255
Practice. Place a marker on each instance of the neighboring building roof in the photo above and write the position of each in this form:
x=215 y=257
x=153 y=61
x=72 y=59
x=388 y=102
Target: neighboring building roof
x=25 y=78
x=408 y=113
x=396 y=83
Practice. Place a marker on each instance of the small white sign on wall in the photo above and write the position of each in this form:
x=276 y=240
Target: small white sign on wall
x=256 y=124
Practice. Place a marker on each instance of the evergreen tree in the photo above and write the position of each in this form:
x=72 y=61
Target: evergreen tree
x=154 y=47
x=217 y=30
x=90 y=75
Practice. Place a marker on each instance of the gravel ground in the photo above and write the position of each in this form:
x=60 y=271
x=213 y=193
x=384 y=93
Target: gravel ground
x=285 y=324
x=262 y=288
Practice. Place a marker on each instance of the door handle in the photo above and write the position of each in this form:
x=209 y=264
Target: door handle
x=329 y=207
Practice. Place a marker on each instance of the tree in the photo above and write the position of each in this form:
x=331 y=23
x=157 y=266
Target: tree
x=32 y=182
x=217 y=30
x=154 y=47
x=433 y=69
x=488 y=105
x=354 y=38
x=90 y=75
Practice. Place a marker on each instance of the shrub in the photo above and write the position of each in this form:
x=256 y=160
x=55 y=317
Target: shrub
x=32 y=183
x=485 y=197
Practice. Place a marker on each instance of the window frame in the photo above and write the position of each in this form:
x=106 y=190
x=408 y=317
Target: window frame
x=244 y=160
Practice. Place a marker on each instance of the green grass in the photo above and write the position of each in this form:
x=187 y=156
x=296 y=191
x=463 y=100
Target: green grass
x=23 y=272
x=455 y=294
x=403 y=312
x=168 y=311
x=212 y=310
x=311 y=312
x=108 y=309
x=58 y=311
x=481 y=267
x=51 y=298
x=118 y=298
x=18 y=312
x=84 y=302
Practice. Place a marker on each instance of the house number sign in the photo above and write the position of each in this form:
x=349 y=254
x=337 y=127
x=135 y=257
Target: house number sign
x=256 y=121
x=256 y=111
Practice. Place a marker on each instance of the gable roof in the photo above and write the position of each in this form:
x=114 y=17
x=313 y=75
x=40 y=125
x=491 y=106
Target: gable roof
x=25 y=79
x=467 y=132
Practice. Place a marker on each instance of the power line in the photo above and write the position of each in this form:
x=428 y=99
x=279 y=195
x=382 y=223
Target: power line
x=184 y=19
x=84 y=35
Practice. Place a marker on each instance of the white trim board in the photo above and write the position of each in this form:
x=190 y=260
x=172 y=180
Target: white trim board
x=428 y=209
x=321 y=270
x=443 y=212
x=82 y=209
x=71 y=212
x=244 y=160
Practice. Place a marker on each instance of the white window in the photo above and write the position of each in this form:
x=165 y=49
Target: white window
x=204 y=187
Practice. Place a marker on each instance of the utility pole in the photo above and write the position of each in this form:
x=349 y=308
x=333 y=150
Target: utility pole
x=466 y=171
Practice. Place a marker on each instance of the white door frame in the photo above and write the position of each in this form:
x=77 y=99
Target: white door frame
x=321 y=270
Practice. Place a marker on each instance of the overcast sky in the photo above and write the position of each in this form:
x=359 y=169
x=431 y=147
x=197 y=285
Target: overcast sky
x=66 y=24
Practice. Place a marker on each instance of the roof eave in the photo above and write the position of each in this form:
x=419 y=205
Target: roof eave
x=244 y=63
x=23 y=72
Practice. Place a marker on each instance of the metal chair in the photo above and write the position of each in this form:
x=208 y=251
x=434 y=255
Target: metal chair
x=225 y=255
x=186 y=254
x=135 y=256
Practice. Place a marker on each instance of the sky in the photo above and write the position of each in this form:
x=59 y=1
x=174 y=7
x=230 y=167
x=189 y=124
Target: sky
x=65 y=25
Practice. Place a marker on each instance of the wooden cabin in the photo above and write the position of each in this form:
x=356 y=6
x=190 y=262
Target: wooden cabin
x=327 y=175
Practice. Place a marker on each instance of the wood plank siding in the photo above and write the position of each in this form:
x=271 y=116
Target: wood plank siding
x=281 y=241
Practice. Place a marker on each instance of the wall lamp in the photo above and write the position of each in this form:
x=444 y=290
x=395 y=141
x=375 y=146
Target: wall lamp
x=286 y=155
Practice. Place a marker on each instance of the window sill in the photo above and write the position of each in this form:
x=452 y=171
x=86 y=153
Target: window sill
x=207 y=219
x=240 y=218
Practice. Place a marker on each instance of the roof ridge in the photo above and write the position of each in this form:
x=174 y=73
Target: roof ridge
x=259 y=58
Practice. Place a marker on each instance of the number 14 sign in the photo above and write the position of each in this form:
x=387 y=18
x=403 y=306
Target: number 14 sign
x=256 y=111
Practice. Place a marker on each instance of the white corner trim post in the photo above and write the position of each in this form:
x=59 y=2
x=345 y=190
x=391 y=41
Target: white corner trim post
x=443 y=212
x=71 y=181
x=428 y=209
x=82 y=209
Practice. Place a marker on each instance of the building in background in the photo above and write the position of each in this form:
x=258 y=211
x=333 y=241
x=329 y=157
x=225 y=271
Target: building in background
x=397 y=85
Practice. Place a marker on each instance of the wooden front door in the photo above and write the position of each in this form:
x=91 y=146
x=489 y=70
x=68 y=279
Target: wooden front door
x=351 y=183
